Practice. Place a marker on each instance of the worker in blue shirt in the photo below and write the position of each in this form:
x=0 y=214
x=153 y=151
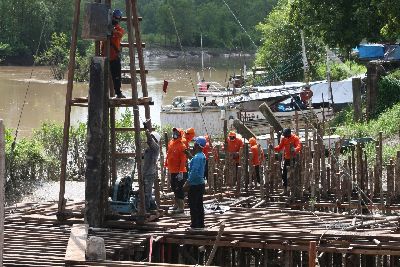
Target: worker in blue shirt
x=195 y=184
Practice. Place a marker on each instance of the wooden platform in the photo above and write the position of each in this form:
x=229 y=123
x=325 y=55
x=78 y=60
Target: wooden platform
x=34 y=237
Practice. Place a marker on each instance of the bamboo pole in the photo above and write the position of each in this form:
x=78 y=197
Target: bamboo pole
x=2 y=185
x=136 y=116
x=67 y=112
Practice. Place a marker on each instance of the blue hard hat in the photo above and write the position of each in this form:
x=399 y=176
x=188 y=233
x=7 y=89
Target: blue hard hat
x=117 y=13
x=201 y=141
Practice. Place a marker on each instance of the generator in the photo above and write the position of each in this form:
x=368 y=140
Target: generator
x=123 y=199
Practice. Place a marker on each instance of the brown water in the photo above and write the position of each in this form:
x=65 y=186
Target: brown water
x=45 y=97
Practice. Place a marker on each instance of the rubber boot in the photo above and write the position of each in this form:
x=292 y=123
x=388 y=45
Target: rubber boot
x=175 y=207
x=181 y=206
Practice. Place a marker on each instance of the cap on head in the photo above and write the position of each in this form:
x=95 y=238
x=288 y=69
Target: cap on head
x=117 y=13
x=190 y=131
x=252 y=141
x=157 y=136
x=287 y=132
x=201 y=141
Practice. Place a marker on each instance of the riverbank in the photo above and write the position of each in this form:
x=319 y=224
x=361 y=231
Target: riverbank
x=151 y=51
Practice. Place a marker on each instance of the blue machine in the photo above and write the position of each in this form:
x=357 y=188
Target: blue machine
x=371 y=51
x=123 y=199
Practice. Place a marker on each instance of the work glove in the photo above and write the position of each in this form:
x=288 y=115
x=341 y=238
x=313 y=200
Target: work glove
x=180 y=176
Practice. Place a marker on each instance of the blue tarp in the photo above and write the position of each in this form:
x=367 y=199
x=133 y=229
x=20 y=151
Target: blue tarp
x=371 y=51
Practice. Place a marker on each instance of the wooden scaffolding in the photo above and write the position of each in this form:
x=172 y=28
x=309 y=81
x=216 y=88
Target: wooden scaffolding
x=135 y=47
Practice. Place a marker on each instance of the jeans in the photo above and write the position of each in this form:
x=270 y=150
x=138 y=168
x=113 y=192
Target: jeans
x=284 y=173
x=148 y=188
x=195 y=197
x=177 y=186
x=115 y=69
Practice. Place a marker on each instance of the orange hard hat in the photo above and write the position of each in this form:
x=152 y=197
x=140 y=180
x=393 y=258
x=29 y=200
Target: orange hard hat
x=252 y=141
x=190 y=131
x=232 y=133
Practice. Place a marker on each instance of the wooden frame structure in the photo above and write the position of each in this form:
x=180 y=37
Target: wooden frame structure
x=133 y=32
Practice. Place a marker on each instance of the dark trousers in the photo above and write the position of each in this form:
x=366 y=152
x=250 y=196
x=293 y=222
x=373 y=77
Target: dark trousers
x=177 y=186
x=115 y=69
x=284 y=172
x=257 y=171
x=206 y=171
x=195 y=197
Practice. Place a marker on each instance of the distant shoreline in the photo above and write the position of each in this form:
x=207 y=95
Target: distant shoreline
x=151 y=50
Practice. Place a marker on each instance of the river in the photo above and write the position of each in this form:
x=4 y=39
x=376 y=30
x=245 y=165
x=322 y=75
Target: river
x=45 y=97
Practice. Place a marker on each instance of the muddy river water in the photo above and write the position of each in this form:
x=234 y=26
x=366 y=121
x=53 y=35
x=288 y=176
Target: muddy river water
x=45 y=97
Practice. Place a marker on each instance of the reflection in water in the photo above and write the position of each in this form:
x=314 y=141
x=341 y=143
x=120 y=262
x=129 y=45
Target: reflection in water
x=45 y=99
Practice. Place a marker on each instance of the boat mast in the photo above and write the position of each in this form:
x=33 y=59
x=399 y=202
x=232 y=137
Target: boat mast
x=305 y=62
x=328 y=77
x=202 y=55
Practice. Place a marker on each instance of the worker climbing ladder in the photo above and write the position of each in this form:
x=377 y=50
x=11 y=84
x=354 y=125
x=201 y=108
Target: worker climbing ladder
x=133 y=32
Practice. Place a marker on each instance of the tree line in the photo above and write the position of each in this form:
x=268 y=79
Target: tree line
x=23 y=22
x=337 y=25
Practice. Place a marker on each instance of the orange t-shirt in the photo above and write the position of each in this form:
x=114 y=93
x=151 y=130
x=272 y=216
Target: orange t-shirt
x=115 y=43
x=285 y=144
x=176 y=157
x=256 y=159
x=234 y=146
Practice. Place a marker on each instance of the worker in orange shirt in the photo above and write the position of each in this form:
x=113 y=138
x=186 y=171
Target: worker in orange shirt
x=234 y=145
x=176 y=163
x=291 y=145
x=255 y=160
x=115 y=50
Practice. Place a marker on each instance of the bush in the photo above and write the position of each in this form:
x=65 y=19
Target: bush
x=56 y=56
x=388 y=93
x=340 y=71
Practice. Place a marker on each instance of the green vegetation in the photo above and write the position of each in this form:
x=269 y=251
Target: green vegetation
x=38 y=158
x=340 y=25
x=340 y=71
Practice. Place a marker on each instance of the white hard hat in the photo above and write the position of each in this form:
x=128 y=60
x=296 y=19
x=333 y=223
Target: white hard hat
x=157 y=136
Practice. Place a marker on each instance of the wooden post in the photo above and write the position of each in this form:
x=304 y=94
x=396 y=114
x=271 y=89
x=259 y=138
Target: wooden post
x=269 y=115
x=67 y=112
x=390 y=182
x=2 y=185
x=312 y=253
x=96 y=175
x=136 y=116
x=372 y=89
x=397 y=175
x=243 y=129
x=356 y=83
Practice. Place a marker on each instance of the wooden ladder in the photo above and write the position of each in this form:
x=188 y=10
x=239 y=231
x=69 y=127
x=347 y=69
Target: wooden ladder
x=134 y=38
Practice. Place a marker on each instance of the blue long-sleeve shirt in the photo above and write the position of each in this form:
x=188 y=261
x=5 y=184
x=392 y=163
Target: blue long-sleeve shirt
x=196 y=169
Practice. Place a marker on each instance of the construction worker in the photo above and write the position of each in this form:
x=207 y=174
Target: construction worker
x=255 y=161
x=291 y=145
x=176 y=164
x=234 y=145
x=189 y=135
x=195 y=184
x=115 y=50
x=149 y=166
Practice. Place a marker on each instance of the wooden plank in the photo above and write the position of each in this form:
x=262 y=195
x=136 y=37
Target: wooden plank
x=134 y=44
x=67 y=112
x=77 y=244
x=138 y=71
x=2 y=183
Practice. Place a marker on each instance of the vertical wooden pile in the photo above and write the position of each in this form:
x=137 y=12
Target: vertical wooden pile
x=97 y=146
x=2 y=184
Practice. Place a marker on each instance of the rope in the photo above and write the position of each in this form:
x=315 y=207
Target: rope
x=187 y=67
x=27 y=90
